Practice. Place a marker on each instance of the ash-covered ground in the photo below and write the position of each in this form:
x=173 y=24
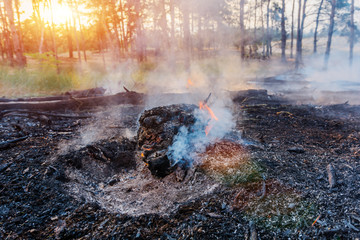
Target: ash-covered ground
x=79 y=176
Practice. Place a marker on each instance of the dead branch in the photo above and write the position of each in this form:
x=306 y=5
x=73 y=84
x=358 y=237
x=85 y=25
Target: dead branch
x=253 y=233
x=10 y=143
x=126 y=90
x=331 y=175
x=207 y=99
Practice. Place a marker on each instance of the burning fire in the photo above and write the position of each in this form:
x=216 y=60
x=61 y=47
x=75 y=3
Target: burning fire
x=204 y=106
x=189 y=83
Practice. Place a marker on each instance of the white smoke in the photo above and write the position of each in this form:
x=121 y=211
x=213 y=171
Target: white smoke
x=190 y=141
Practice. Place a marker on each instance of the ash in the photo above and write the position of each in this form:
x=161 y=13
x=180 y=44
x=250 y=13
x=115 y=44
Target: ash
x=63 y=180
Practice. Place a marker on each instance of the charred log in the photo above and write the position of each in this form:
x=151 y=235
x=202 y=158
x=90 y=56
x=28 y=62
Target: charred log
x=76 y=103
x=158 y=127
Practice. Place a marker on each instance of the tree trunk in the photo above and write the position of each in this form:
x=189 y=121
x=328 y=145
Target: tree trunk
x=262 y=28
x=298 y=59
x=186 y=22
x=17 y=6
x=115 y=24
x=317 y=25
x=125 y=40
x=40 y=23
x=69 y=39
x=283 y=32
x=81 y=31
x=20 y=58
x=255 y=23
x=303 y=24
x=352 y=32
x=242 y=29
x=292 y=31
x=140 y=41
x=53 y=36
x=75 y=32
x=172 y=16
x=7 y=42
x=268 y=29
x=163 y=25
x=330 y=33
x=200 y=36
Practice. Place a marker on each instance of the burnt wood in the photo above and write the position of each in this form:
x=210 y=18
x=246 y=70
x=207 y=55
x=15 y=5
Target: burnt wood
x=76 y=103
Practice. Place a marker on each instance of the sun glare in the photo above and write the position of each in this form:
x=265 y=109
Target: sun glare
x=61 y=12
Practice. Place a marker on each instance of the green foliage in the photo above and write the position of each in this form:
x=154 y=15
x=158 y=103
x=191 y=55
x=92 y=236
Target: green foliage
x=282 y=211
x=45 y=76
x=246 y=173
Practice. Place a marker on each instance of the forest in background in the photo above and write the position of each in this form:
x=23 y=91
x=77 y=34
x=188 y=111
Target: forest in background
x=176 y=30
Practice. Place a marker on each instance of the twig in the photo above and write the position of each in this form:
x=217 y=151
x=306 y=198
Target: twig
x=127 y=90
x=263 y=190
x=253 y=233
x=349 y=225
x=331 y=175
x=316 y=220
x=10 y=143
x=207 y=99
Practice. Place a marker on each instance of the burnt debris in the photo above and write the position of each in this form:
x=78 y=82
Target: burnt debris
x=158 y=127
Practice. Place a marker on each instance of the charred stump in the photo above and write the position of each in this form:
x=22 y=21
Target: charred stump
x=158 y=127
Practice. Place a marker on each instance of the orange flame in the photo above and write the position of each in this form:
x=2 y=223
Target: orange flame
x=147 y=149
x=203 y=105
x=142 y=155
x=208 y=128
x=189 y=83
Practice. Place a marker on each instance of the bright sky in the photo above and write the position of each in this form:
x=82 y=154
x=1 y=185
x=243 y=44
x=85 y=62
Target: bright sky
x=61 y=12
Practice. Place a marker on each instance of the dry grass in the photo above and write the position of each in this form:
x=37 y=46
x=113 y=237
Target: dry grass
x=230 y=163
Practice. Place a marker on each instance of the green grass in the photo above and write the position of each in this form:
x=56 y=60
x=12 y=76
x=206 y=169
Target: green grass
x=45 y=75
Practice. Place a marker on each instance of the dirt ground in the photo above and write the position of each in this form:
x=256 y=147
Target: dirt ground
x=57 y=184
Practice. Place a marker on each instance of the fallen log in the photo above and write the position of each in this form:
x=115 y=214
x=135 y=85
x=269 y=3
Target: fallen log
x=77 y=103
x=92 y=92
x=39 y=113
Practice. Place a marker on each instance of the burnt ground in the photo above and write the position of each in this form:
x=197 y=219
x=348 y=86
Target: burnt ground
x=56 y=183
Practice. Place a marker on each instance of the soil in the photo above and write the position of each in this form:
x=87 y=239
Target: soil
x=81 y=178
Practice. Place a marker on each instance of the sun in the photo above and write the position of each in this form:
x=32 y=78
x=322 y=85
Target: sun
x=59 y=13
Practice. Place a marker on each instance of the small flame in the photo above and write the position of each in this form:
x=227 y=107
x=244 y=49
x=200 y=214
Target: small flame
x=189 y=83
x=208 y=128
x=142 y=155
x=203 y=105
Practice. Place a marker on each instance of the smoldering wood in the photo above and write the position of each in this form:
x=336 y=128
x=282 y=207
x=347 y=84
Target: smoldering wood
x=158 y=127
